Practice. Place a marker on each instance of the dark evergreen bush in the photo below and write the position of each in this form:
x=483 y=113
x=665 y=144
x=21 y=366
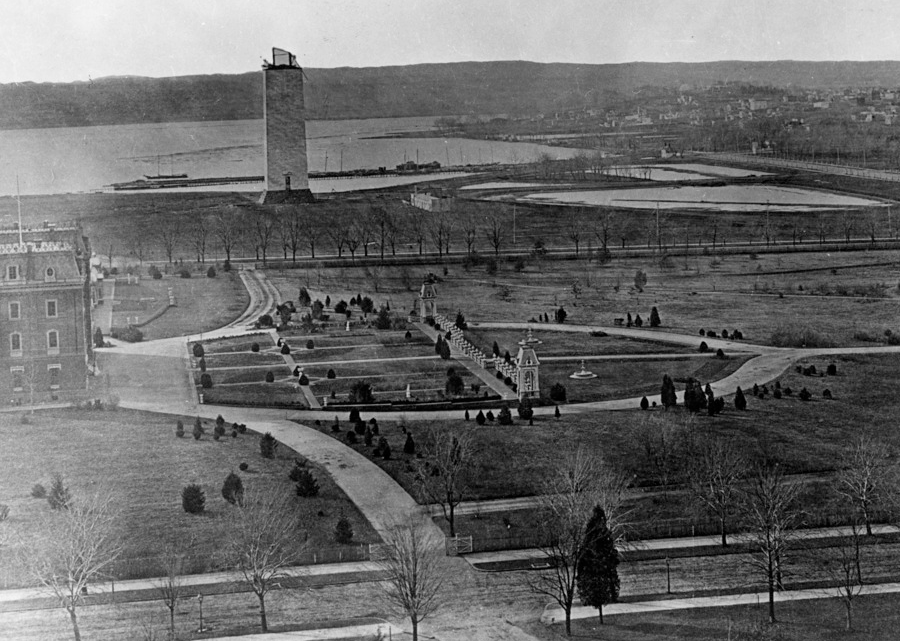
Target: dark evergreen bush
x=504 y=416
x=233 y=489
x=720 y=353
x=306 y=485
x=350 y=437
x=826 y=393
x=740 y=402
x=243 y=467
x=489 y=416
x=409 y=447
x=645 y=404
x=804 y=394
x=638 y=321
x=368 y=436
x=270 y=377
x=361 y=392
x=198 y=430
x=59 y=496
x=266 y=321
x=654 y=318
x=330 y=374
x=702 y=332
x=193 y=499
x=710 y=333
x=525 y=409
x=703 y=347
x=831 y=370
x=179 y=428
x=267 y=445
x=558 y=393
x=206 y=380
x=408 y=335
x=310 y=344
x=197 y=349
x=343 y=532
x=202 y=364
x=479 y=418
x=254 y=347
x=304 y=380
x=211 y=272
x=777 y=393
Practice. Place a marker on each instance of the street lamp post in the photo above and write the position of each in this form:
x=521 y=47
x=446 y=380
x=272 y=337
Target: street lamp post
x=200 y=602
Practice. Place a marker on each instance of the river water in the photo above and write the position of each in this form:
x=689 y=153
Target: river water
x=79 y=159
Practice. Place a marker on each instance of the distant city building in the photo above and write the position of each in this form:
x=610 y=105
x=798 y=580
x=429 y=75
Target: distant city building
x=287 y=175
x=756 y=104
x=46 y=294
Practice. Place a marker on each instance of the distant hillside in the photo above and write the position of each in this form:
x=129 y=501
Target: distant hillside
x=414 y=90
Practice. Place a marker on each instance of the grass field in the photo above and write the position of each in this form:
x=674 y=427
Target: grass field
x=875 y=619
x=565 y=343
x=137 y=457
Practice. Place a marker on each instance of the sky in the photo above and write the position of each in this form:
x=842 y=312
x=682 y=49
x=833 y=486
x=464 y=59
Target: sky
x=69 y=40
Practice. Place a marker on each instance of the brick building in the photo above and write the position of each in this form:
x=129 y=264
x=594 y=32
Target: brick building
x=45 y=312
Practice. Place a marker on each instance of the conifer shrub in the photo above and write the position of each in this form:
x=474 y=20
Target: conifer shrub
x=343 y=531
x=267 y=445
x=193 y=499
x=804 y=395
x=702 y=332
x=525 y=409
x=310 y=344
x=409 y=447
x=831 y=370
x=211 y=272
x=330 y=374
x=198 y=429
x=558 y=393
x=479 y=418
x=720 y=354
x=368 y=436
x=504 y=416
x=197 y=350
x=202 y=364
x=233 y=489
x=206 y=381
x=645 y=404
x=826 y=393
x=254 y=347
x=270 y=377
x=556 y=412
x=306 y=485
x=243 y=467
x=59 y=497
x=179 y=429
x=703 y=347
x=304 y=380
x=285 y=348
x=489 y=416
x=350 y=437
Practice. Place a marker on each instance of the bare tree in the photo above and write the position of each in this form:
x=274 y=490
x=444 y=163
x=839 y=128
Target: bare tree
x=291 y=231
x=863 y=477
x=574 y=231
x=417 y=230
x=72 y=548
x=227 y=229
x=337 y=234
x=470 y=230
x=662 y=442
x=494 y=233
x=567 y=502
x=168 y=233
x=416 y=569
x=847 y=226
x=309 y=227
x=714 y=475
x=439 y=230
x=385 y=227
x=443 y=471
x=170 y=586
x=198 y=231
x=770 y=515
x=353 y=234
x=841 y=563
x=262 y=541
x=264 y=224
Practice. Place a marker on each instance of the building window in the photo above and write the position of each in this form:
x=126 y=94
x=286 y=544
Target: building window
x=53 y=342
x=15 y=344
x=51 y=309
x=15 y=311
x=53 y=374
x=12 y=272
x=18 y=378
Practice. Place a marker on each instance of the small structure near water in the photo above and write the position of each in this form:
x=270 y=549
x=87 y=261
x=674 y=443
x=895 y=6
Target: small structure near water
x=583 y=374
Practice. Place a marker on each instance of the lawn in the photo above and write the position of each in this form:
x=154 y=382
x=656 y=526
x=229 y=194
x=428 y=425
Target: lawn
x=804 y=437
x=876 y=618
x=137 y=457
x=565 y=343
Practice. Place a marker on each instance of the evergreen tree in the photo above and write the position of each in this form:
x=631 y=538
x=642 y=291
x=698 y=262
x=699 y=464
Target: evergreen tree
x=740 y=401
x=479 y=418
x=267 y=445
x=198 y=428
x=307 y=485
x=409 y=447
x=638 y=321
x=645 y=404
x=59 y=496
x=556 y=412
x=628 y=321
x=654 y=318
x=667 y=393
x=343 y=531
x=597 y=570
x=233 y=489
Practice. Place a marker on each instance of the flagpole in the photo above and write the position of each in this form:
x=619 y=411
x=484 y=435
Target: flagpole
x=19 y=204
